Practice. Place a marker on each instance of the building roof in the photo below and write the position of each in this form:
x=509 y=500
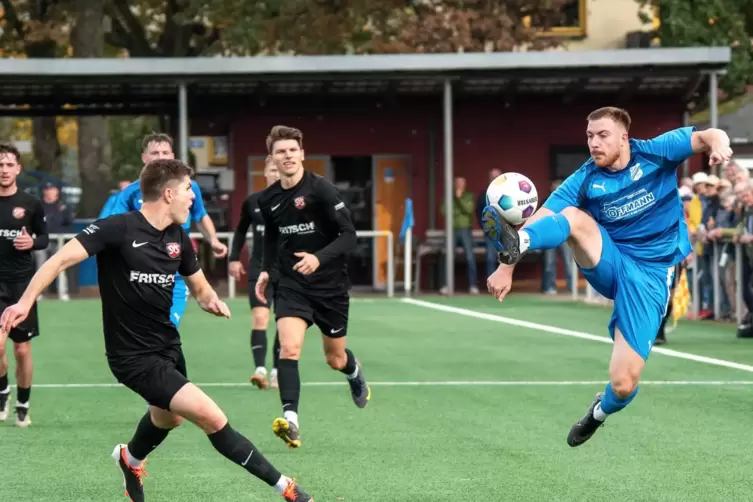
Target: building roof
x=115 y=84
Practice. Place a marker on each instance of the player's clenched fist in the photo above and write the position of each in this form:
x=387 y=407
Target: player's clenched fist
x=24 y=241
x=500 y=282
x=308 y=264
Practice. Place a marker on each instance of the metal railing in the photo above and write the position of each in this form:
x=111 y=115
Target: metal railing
x=228 y=237
x=590 y=295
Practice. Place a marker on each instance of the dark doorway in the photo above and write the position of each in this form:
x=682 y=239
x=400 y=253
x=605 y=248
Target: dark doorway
x=352 y=177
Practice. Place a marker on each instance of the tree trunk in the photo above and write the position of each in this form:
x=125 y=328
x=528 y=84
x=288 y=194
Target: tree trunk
x=87 y=40
x=46 y=146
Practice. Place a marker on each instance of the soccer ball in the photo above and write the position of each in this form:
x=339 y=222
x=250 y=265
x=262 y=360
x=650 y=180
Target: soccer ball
x=514 y=196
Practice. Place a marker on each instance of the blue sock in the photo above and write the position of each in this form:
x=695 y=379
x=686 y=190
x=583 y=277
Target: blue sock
x=548 y=232
x=610 y=403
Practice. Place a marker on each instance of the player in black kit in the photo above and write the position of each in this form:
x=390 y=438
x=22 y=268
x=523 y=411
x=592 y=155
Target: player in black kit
x=22 y=231
x=251 y=217
x=138 y=254
x=308 y=232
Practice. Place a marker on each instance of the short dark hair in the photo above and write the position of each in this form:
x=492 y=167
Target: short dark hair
x=157 y=174
x=281 y=132
x=612 y=112
x=8 y=148
x=155 y=137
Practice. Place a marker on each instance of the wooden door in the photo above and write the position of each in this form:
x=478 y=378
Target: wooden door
x=392 y=185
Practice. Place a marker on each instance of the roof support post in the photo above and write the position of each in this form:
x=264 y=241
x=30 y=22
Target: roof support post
x=448 y=189
x=183 y=121
x=714 y=104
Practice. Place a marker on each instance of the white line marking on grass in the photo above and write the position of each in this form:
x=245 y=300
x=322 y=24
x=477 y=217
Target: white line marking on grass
x=479 y=383
x=569 y=332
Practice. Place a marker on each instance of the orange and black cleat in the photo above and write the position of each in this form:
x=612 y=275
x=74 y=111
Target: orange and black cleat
x=131 y=475
x=293 y=493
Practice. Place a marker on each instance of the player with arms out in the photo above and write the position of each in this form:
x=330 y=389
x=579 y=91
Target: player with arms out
x=251 y=217
x=138 y=254
x=308 y=230
x=22 y=230
x=160 y=146
x=622 y=216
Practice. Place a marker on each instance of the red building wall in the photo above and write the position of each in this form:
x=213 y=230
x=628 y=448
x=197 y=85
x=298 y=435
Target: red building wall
x=486 y=134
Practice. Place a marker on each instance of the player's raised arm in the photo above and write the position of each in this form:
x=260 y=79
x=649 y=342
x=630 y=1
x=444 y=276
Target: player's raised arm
x=336 y=211
x=715 y=142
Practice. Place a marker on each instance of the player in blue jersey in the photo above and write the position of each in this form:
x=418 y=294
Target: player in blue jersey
x=160 y=146
x=622 y=216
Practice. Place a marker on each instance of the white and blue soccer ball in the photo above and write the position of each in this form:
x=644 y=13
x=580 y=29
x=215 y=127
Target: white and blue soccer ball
x=514 y=196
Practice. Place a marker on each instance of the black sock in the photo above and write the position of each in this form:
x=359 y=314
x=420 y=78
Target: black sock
x=147 y=438
x=4 y=382
x=276 y=351
x=290 y=384
x=350 y=365
x=664 y=321
x=236 y=448
x=259 y=347
x=24 y=393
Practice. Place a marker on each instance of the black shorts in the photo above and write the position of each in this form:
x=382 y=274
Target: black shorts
x=269 y=293
x=155 y=377
x=10 y=293
x=329 y=313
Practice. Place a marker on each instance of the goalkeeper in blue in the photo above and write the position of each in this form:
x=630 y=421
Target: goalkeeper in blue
x=160 y=146
x=621 y=215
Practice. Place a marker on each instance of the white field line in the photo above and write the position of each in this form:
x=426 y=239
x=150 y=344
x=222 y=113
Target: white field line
x=480 y=383
x=568 y=332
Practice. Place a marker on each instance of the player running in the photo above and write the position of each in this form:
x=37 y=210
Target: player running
x=308 y=232
x=621 y=214
x=160 y=146
x=138 y=255
x=251 y=217
x=22 y=230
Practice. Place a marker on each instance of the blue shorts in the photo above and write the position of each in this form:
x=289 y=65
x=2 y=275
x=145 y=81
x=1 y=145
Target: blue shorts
x=640 y=293
x=180 y=298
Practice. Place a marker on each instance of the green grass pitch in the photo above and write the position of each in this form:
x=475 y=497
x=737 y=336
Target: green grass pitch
x=463 y=408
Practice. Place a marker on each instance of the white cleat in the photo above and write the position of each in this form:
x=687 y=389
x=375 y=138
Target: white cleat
x=4 y=406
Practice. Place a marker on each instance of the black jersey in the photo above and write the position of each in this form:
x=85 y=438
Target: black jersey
x=18 y=211
x=308 y=217
x=250 y=217
x=136 y=270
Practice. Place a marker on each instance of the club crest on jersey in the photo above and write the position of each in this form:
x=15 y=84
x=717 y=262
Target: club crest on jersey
x=19 y=212
x=299 y=202
x=173 y=249
x=524 y=186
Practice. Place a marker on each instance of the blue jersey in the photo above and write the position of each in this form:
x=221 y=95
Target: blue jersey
x=129 y=199
x=639 y=207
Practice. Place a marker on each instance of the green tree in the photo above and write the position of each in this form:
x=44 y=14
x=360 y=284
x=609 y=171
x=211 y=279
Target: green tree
x=37 y=29
x=725 y=23
x=413 y=26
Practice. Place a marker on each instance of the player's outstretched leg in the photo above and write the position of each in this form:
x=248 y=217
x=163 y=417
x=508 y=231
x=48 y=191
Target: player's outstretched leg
x=342 y=359
x=24 y=370
x=273 y=382
x=191 y=403
x=547 y=232
x=625 y=369
x=292 y=331
x=151 y=431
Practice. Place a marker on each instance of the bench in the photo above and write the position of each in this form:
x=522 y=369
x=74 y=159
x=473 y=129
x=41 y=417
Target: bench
x=434 y=243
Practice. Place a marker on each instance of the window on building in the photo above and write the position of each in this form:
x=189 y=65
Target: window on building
x=567 y=159
x=573 y=23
